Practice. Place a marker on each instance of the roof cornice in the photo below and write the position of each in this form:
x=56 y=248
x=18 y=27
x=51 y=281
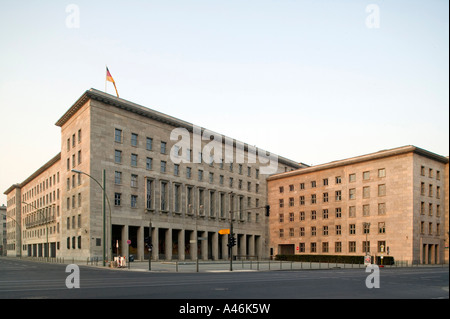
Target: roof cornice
x=363 y=158
x=146 y=112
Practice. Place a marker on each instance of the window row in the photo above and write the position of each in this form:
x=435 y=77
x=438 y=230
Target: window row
x=230 y=182
x=423 y=191
x=430 y=209
x=149 y=145
x=430 y=172
x=72 y=141
x=327 y=230
x=381 y=191
x=326 y=214
x=337 y=180
x=427 y=229
x=192 y=200
x=76 y=242
x=73 y=203
x=338 y=247
x=75 y=161
x=41 y=187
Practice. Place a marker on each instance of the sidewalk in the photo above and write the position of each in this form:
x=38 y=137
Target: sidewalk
x=239 y=266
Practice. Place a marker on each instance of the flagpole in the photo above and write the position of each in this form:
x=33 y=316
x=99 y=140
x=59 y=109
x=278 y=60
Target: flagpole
x=106 y=79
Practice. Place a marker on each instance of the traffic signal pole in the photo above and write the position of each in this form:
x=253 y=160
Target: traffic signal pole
x=230 y=240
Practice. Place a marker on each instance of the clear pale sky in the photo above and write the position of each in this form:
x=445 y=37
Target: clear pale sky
x=313 y=81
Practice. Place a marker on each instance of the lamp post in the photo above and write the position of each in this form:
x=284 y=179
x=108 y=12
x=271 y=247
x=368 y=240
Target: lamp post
x=105 y=197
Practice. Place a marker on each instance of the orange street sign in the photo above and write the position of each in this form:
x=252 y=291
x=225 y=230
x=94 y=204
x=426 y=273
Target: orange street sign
x=224 y=231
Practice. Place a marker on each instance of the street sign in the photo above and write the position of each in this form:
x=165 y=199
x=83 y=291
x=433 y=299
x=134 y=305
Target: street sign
x=224 y=231
x=202 y=238
x=367 y=260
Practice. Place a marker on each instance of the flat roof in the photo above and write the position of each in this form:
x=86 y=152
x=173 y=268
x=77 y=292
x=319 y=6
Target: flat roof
x=363 y=158
x=146 y=112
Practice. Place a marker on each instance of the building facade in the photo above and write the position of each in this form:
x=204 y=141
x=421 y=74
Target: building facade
x=389 y=203
x=166 y=181
x=3 y=230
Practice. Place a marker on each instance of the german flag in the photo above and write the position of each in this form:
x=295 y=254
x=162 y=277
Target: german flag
x=110 y=79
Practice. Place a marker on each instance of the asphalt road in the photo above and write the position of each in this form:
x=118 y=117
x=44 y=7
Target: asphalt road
x=32 y=280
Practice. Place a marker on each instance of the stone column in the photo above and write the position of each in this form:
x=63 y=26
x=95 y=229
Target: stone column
x=123 y=244
x=140 y=243
x=168 y=251
x=155 y=243
x=181 y=245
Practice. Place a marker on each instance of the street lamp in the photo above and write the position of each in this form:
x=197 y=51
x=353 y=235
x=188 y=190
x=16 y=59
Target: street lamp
x=105 y=197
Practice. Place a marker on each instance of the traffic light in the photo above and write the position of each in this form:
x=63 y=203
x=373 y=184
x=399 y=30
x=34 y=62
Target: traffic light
x=267 y=210
x=231 y=241
x=148 y=243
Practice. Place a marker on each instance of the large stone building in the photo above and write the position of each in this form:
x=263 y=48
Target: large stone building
x=181 y=179
x=2 y=230
x=393 y=202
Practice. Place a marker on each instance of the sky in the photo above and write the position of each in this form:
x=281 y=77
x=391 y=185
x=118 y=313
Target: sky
x=313 y=81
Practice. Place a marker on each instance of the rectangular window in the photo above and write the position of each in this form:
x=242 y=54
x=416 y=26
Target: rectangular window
x=149 y=163
x=381 y=227
x=352 y=229
x=381 y=208
x=352 y=246
x=302 y=200
x=190 y=199
x=382 y=190
x=366 y=192
x=149 y=194
x=133 y=201
x=117 y=199
x=118 y=178
x=201 y=201
x=212 y=203
x=134 y=159
x=366 y=210
x=118 y=135
x=352 y=193
x=163 y=166
x=176 y=169
x=352 y=178
x=134 y=180
x=149 y=144
x=164 y=196
x=118 y=156
x=163 y=147
x=177 y=198
x=134 y=139
x=188 y=172
x=291 y=201
x=366 y=175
